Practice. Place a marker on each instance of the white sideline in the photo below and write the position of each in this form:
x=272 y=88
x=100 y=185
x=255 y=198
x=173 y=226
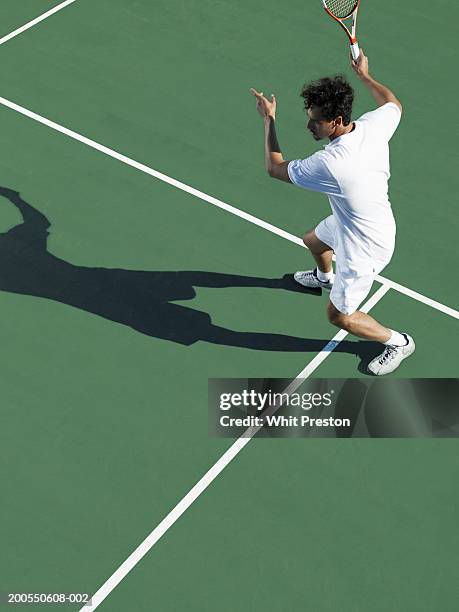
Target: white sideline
x=210 y=199
x=111 y=583
x=30 y=24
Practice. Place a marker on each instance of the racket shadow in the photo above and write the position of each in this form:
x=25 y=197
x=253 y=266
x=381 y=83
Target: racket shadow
x=142 y=300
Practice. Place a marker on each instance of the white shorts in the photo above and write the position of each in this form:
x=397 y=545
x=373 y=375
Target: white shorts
x=349 y=288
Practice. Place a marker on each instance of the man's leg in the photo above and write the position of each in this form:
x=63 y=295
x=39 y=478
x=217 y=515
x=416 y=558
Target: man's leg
x=322 y=276
x=398 y=346
x=359 y=324
x=321 y=252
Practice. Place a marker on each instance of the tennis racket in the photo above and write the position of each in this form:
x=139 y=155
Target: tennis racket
x=340 y=10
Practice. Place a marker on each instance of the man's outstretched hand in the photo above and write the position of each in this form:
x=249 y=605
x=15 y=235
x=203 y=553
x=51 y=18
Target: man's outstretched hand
x=266 y=108
x=360 y=65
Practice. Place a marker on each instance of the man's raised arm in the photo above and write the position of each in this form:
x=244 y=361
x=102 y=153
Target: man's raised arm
x=380 y=93
x=274 y=161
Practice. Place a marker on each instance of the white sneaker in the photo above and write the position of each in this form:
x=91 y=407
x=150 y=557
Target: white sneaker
x=391 y=358
x=308 y=278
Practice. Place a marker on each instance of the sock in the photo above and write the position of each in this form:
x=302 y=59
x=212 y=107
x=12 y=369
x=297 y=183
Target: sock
x=325 y=276
x=396 y=339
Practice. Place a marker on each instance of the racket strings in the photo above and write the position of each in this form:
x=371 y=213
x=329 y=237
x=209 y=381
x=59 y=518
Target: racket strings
x=341 y=8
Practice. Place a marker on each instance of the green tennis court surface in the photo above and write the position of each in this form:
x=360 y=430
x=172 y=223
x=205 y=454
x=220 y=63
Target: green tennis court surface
x=113 y=322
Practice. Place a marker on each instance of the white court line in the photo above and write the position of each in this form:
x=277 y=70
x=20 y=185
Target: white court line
x=210 y=199
x=30 y=24
x=418 y=296
x=167 y=522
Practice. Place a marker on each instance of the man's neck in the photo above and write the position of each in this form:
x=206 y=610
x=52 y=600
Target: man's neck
x=346 y=129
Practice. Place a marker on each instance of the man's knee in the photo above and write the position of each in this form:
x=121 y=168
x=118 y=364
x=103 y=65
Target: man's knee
x=313 y=243
x=309 y=238
x=336 y=317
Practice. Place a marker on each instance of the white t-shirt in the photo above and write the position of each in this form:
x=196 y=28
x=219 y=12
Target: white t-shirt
x=353 y=170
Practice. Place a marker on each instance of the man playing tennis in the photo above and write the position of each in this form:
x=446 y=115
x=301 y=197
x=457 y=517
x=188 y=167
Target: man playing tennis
x=353 y=170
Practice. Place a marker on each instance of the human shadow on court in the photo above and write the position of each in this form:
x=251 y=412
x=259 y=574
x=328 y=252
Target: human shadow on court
x=138 y=299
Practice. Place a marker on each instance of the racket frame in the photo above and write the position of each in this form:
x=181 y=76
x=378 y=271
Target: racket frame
x=355 y=51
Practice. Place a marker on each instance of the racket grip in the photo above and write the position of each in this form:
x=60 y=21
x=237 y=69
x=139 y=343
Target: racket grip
x=355 y=51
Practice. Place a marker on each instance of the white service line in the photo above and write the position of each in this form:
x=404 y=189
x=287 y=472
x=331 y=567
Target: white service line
x=214 y=471
x=210 y=199
x=418 y=296
x=30 y=24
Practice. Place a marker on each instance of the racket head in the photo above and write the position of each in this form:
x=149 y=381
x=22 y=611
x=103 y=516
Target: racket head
x=340 y=9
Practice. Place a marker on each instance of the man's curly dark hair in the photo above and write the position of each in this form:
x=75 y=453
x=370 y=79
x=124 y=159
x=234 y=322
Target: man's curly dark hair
x=333 y=95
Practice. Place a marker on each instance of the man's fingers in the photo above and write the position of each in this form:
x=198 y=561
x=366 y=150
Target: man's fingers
x=257 y=94
x=362 y=56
